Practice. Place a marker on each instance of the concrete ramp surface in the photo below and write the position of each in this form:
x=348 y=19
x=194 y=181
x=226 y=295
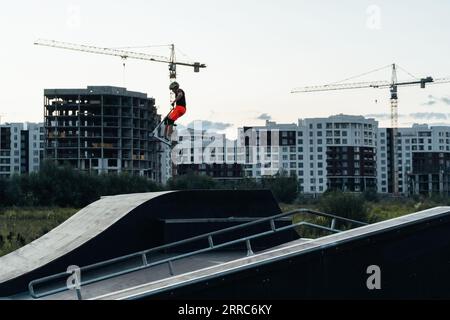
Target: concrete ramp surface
x=118 y=225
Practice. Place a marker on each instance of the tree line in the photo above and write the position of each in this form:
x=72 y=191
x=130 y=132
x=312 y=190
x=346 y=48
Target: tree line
x=62 y=186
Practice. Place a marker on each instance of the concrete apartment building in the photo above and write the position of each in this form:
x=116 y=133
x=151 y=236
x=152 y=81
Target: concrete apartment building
x=104 y=129
x=423 y=159
x=207 y=153
x=338 y=152
x=21 y=148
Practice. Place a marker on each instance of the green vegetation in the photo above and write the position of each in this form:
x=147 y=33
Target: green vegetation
x=367 y=207
x=284 y=188
x=64 y=187
x=32 y=205
x=21 y=226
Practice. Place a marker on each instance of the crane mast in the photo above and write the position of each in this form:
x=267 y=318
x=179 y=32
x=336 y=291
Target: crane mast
x=394 y=125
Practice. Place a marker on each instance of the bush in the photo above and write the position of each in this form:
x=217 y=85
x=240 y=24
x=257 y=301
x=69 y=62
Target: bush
x=63 y=186
x=345 y=205
x=191 y=181
x=284 y=188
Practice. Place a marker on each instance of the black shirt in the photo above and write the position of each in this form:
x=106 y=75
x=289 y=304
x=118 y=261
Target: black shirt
x=182 y=101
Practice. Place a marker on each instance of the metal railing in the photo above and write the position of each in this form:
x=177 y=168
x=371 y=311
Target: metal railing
x=143 y=255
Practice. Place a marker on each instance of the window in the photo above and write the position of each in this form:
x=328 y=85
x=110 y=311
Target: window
x=300 y=149
x=300 y=157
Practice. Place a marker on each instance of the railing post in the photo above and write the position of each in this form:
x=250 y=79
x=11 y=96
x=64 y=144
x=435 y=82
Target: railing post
x=79 y=294
x=249 y=248
x=210 y=241
x=333 y=223
x=171 y=268
x=144 y=259
x=272 y=225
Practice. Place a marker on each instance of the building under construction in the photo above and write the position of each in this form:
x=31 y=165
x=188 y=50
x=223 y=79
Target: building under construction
x=102 y=129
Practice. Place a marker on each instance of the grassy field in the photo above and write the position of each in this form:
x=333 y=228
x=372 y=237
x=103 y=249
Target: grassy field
x=375 y=212
x=19 y=226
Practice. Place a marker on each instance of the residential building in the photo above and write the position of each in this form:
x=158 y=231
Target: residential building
x=421 y=155
x=21 y=148
x=207 y=153
x=103 y=129
x=338 y=152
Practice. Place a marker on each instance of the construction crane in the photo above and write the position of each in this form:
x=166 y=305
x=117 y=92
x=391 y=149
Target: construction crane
x=393 y=86
x=125 y=54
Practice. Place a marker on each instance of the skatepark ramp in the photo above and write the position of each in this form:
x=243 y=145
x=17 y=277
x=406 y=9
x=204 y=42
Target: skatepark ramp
x=152 y=263
x=406 y=257
x=239 y=252
x=119 y=225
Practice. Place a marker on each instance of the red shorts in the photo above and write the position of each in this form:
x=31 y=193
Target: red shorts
x=176 y=113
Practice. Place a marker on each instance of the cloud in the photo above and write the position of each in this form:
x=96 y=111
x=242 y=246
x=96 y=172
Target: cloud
x=264 y=116
x=429 y=116
x=383 y=116
x=379 y=116
x=446 y=100
x=432 y=100
x=209 y=125
x=417 y=116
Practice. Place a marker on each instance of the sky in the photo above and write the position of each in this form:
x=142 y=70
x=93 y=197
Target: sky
x=256 y=51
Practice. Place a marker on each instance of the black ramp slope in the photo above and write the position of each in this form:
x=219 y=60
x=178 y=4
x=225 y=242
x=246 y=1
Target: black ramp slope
x=412 y=253
x=119 y=225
